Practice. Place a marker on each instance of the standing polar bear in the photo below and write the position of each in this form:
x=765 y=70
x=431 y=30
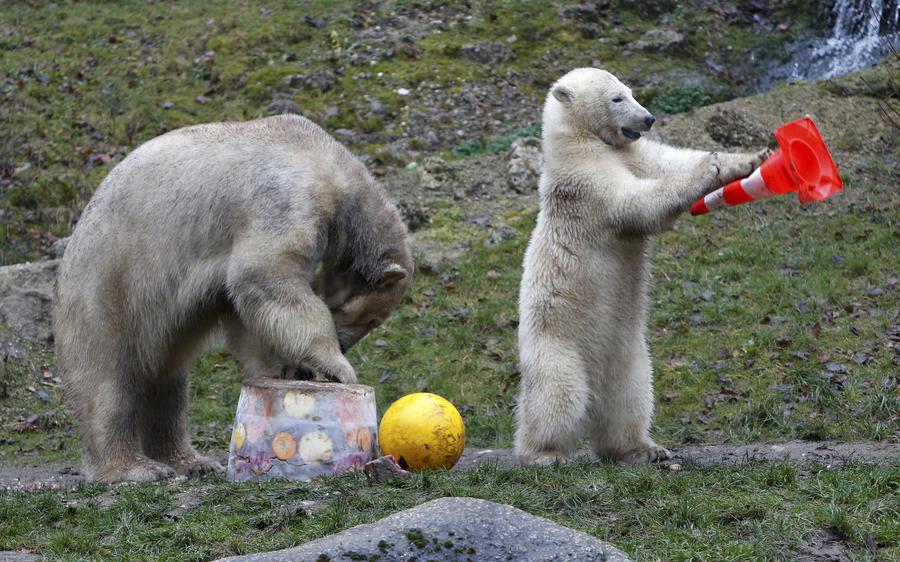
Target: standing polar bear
x=269 y=229
x=604 y=193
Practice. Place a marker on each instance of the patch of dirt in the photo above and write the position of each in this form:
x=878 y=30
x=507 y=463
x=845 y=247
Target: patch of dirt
x=822 y=547
x=14 y=477
x=829 y=453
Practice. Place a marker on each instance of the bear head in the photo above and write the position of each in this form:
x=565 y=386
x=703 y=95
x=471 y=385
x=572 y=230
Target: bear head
x=594 y=102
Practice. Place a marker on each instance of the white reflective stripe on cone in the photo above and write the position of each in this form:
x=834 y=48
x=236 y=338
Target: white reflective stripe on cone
x=755 y=187
x=715 y=200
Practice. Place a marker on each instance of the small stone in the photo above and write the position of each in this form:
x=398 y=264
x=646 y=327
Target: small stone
x=500 y=234
x=383 y=469
x=282 y=107
x=403 y=92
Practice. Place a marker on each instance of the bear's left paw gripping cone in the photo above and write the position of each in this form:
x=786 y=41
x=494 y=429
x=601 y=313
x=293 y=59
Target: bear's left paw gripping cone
x=802 y=164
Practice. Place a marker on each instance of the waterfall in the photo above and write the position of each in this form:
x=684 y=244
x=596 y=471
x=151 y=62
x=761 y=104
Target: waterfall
x=861 y=35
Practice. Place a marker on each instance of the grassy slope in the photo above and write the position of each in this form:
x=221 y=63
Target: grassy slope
x=82 y=85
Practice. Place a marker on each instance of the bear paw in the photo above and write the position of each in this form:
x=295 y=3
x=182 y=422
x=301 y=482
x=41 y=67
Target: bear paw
x=646 y=454
x=198 y=465
x=544 y=458
x=141 y=470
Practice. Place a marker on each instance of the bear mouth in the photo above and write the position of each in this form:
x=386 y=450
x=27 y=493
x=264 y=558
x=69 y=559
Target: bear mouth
x=630 y=134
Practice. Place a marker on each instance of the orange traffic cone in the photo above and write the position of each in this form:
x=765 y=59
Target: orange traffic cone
x=802 y=164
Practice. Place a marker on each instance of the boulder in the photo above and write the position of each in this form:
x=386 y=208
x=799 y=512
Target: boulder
x=26 y=294
x=457 y=529
x=525 y=164
x=658 y=40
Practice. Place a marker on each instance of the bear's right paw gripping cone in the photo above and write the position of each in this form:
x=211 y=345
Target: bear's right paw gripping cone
x=802 y=164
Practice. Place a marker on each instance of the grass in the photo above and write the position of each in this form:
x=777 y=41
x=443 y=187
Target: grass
x=773 y=355
x=747 y=512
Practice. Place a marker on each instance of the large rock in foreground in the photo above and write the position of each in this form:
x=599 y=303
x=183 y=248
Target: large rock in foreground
x=452 y=529
x=26 y=295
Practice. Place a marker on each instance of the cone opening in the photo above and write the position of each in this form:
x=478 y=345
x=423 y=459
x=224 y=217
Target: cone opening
x=805 y=163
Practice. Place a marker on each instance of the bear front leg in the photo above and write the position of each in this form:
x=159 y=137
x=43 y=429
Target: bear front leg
x=288 y=317
x=738 y=165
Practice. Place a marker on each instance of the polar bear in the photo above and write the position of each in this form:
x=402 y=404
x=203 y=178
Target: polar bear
x=268 y=229
x=604 y=192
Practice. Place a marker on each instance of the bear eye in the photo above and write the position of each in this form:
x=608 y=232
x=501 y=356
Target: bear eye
x=618 y=99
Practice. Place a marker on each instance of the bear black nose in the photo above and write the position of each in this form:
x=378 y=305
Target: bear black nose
x=650 y=121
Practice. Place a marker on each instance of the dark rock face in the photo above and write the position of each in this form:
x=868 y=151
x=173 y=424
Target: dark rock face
x=453 y=529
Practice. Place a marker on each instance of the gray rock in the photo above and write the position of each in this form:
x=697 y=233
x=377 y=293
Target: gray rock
x=322 y=80
x=26 y=294
x=434 y=173
x=500 y=234
x=456 y=529
x=282 y=106
x=658 y=40
x=58 y=248
x=735 y=127
x=525 y=164
x=487 y=53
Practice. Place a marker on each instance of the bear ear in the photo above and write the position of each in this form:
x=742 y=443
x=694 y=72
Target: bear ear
x=563 y=94
x=394 y=273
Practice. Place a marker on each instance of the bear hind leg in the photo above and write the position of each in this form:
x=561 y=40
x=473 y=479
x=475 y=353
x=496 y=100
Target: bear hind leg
x=165 y=434
x=110 y=413
x=552 y=404
x=621 y=415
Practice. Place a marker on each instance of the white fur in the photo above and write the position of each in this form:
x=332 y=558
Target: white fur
x=583 y=303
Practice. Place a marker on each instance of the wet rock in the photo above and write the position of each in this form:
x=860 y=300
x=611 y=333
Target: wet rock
x=26 y=294
x=282 y=106
x=737 y=128
x=487 y=53
x=322 y=80
x=658 y=40
x=525 y=164
x=453 y=529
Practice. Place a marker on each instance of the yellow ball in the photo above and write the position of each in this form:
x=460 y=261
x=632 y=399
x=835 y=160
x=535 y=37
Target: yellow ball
x=422 y=431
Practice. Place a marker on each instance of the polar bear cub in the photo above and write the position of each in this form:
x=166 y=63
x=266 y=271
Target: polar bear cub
x=604 y=192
